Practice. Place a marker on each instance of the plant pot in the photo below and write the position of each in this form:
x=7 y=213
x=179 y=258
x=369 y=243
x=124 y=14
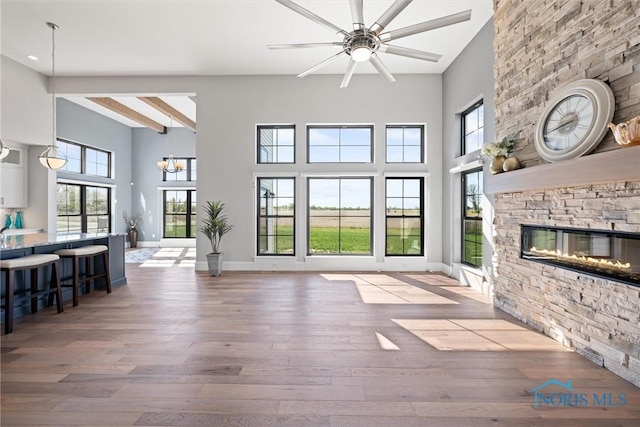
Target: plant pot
x=214 y=260
x=496 y=164
x=133 y=238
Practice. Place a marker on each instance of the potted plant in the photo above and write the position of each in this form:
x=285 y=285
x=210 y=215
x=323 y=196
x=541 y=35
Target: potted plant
x=132 y=223
x=214 y=226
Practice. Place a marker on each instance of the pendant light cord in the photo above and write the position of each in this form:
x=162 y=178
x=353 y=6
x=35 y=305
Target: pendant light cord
x=53 y=82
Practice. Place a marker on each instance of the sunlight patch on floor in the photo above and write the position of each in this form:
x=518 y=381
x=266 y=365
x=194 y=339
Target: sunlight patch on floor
x=386 y=343
x=383 y=289
x=477 y=335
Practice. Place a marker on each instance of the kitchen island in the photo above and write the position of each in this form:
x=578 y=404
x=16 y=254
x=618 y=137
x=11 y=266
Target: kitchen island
x=18 y=245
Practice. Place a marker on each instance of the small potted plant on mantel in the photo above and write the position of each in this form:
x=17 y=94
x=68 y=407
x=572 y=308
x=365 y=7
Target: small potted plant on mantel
x=214 y=226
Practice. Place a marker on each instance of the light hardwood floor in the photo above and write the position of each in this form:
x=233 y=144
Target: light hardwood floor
x=178 y=348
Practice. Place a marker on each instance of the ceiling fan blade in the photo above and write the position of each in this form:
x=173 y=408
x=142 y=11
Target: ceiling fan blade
x=393 y=11
x=347 y=75
x=426 y=26
x=310 y=15
x=303 y=45
x=356 y=14
x=411 y=53
x=322 y=64
x=384 y=72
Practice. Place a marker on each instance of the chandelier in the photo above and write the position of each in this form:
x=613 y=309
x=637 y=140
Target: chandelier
x=52 y=157
x=170 y=164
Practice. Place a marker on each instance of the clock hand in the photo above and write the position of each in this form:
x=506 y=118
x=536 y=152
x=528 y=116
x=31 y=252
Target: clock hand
x=561 y=125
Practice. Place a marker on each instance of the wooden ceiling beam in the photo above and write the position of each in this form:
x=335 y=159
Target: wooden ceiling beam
x=129 y=113
x=170 y=111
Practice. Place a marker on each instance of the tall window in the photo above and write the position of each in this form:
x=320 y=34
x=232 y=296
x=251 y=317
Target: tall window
x=83 y=208
x=179 y=213
x=472 y=128
x=186 y=174
x=472 y=218
x=276 y=216
x=85 y=160
x=276 y=144
x=405 y=144
x=340 y=144
x=340 y=217
x=404 y=198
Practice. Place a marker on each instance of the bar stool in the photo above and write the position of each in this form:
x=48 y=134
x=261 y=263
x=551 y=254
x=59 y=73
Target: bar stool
x=33 y=263
x=86 y=253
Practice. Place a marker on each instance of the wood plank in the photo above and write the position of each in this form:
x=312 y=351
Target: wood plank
x=177 y=347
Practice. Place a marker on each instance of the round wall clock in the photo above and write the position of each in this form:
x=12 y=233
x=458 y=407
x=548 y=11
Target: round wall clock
x=575 y=120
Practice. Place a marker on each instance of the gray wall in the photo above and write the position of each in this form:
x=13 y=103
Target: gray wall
x=86 y=127
x=148 y=147
x=468 y=79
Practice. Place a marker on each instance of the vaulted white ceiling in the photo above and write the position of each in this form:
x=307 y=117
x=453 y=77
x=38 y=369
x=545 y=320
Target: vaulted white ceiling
x=215 y=37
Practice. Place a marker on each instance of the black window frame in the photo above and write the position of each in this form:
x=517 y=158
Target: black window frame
x=340 y=127
x=83 y=158
x=189 y=169
x=476 y=219
x=83 y=215
x=386 y=141
x=371 y=215
x=189 y=227
x=260 y=216
x=259 y=143
x=463 y=128
x=403 y=216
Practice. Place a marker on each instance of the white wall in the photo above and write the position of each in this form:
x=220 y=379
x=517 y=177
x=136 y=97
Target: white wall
x=468 y=79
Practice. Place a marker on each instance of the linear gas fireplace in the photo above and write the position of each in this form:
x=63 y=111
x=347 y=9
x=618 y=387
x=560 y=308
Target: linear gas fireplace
x=609 y=254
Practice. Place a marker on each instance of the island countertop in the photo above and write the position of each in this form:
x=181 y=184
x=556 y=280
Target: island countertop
x=32 y=240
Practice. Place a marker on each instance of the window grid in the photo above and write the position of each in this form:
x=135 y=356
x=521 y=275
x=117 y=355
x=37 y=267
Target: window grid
x=83 y=208
x=179 y=213
x=472 y=121
x=276 y=216
x=472 y=218
x=405 y=144
x=85 y=160
x=404 y=217
x=340 y=144
x=340 y=217
x=276 y=144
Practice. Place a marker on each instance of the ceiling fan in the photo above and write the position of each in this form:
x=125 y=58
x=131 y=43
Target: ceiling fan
x=362 y=44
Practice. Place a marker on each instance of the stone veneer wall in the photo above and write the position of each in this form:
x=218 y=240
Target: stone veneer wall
x=599 y=318
x=541 y=45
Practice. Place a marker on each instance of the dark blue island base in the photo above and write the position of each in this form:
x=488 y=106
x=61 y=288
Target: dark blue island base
x=16 y=246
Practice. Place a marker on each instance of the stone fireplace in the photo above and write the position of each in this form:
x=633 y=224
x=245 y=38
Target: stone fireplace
x=541 y=45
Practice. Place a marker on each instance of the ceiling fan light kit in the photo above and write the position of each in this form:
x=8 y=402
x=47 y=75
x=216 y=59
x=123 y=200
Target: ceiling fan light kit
x=362 y=44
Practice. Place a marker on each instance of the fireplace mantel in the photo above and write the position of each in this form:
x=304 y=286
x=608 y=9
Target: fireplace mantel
x=622 y=164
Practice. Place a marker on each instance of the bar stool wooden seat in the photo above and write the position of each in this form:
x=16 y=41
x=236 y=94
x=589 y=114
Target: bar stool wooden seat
x=33 y=263
x=86 y=253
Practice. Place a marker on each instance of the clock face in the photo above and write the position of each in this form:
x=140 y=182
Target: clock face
x=575 y=120
x=568 y=122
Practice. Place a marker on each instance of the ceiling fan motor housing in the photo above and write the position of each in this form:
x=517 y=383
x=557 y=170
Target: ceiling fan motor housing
x=361 y=39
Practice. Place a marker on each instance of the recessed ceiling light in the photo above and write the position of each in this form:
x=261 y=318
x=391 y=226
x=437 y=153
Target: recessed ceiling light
x=32 y=57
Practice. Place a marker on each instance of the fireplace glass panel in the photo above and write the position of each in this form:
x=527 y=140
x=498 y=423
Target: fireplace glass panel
x=610 y=254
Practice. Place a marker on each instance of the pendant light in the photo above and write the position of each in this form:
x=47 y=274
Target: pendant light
x=4 y=150
x=52 y=157
x=170 y=165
